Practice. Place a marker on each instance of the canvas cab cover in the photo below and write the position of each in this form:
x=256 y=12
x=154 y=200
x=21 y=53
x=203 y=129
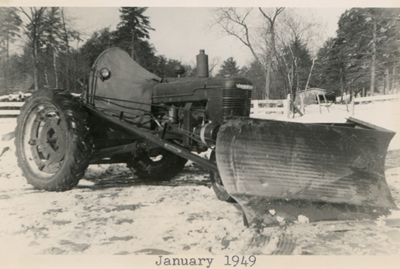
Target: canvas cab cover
x=128 y=88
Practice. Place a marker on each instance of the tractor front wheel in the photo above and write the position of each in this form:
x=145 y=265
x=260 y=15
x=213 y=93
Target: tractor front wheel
x=218 y=186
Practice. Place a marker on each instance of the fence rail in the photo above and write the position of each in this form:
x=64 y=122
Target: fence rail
x=258 y=107
x=262 y=107
x=360 y=100
x=10 y=109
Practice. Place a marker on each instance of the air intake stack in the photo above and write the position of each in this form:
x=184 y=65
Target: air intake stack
x=202 y=64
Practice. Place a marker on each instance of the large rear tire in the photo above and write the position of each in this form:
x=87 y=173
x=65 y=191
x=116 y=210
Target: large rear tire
x=52 y=142
x=218 y=186
x=161 y=167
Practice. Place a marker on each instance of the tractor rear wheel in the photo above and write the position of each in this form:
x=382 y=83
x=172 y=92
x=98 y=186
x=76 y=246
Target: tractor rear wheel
x=160 y=167
x=52 y=144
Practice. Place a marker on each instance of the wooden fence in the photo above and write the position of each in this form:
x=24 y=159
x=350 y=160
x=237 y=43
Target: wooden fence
x=10 y=109
x=11 y=104
x=262 y=107
x=258 y=107
x=369 y=99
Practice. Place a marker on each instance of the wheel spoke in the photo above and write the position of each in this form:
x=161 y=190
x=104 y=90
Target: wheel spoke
x=41 y=166
x=52 y=140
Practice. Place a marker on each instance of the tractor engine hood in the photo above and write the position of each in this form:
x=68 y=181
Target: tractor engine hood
x=194 y=89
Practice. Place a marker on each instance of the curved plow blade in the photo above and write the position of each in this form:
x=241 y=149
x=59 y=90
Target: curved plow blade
x=320 y=171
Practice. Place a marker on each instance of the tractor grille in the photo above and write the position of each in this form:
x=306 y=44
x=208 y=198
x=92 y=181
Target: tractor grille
x=236 y=102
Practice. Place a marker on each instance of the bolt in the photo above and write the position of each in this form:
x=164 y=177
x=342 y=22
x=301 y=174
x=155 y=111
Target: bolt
x=32 y=142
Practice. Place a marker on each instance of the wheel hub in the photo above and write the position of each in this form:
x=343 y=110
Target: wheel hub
x=52 y=139
x=46 y=141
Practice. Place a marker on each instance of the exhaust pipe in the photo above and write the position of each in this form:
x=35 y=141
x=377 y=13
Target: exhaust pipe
x=202 y=64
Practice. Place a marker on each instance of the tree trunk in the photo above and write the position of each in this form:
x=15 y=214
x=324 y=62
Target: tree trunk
x=341 y=85
x=387 y=89
x=267 y=78
x=272 y=50
x=309 y=75
x=6 y=72
x=373 y=59
x=133 y=46
x=35 y=66
x=5 y=77
x=55 y=68
x=350 y=91
x=46 y=77
x=75 y=69
x=394 y=84
x=66 y=37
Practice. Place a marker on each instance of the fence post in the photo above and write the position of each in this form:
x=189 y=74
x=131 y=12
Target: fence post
x=255 y=106
x=287 y=106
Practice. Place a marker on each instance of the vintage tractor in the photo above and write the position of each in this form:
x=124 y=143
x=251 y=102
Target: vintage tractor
x=154 y=125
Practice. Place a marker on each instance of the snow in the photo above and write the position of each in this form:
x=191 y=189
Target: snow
x=112 y=213
x=385 y=114
x=302 y=219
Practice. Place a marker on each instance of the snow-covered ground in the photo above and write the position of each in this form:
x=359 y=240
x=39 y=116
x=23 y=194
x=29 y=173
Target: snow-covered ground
x=110 y=212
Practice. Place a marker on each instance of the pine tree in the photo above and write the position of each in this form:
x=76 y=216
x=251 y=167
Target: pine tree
x=96 y=44
x=366 y=51
x=133 y=30
x=228 y=68
x=295 y=67
x=255 y=72
x=330 y=67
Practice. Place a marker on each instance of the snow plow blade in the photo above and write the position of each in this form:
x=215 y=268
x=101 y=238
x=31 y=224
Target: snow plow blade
x=284 y=171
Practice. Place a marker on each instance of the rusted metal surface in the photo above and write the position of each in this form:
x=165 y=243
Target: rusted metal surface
x=264 y=161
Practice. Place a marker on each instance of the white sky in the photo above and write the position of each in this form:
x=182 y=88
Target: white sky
x=181 y=32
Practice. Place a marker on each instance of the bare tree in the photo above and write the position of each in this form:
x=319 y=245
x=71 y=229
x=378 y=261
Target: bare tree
x=53 y=39
x=235 y=23
x=270 y=43
x=67 y=34
x=278 y=29
x=213 y=63
x=34 y=30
